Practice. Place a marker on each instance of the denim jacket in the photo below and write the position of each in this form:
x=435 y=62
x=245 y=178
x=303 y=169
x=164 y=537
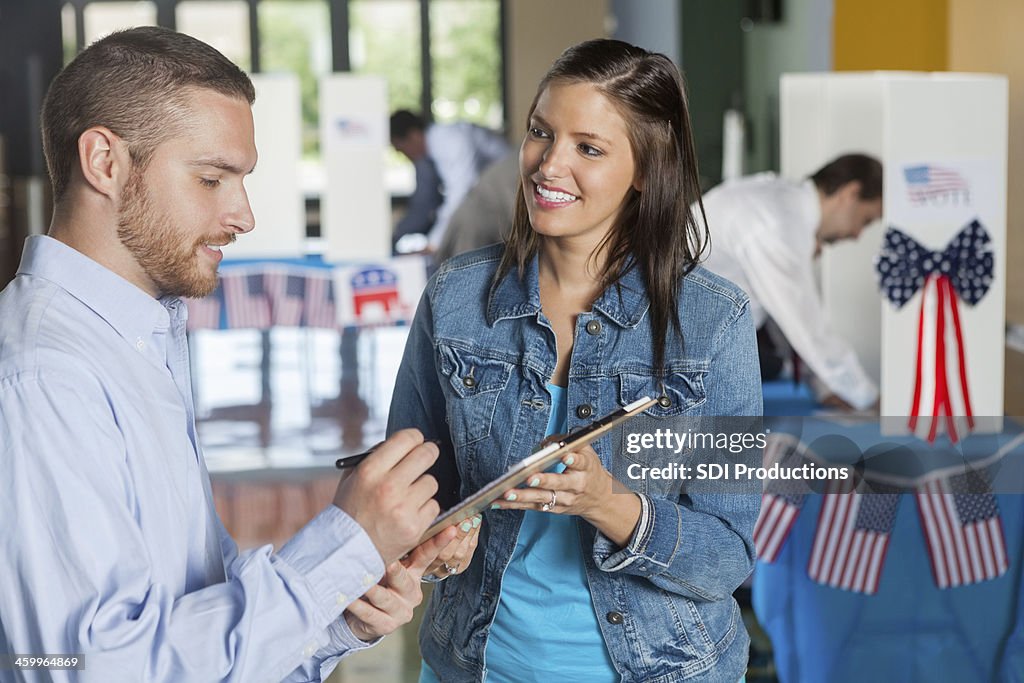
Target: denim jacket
x=474 y=372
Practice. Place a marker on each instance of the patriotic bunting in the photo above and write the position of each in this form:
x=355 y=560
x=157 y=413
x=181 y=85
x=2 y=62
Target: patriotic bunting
x=958 y=512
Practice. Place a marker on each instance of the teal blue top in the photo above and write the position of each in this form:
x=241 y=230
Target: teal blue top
x=545 y=628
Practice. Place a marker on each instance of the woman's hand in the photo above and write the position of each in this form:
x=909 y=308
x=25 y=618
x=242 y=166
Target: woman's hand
x=455 y=557
x=585 y=488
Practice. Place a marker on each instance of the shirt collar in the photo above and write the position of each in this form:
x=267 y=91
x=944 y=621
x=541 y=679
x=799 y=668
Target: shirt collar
x=810 y=206
x=513 y=297
x=131 y=312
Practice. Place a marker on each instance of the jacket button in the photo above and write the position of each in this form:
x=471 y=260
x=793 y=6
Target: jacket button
x=469 y=382
x=665 y=402
x=594 y=327
x=615 y=618
x=584 y=411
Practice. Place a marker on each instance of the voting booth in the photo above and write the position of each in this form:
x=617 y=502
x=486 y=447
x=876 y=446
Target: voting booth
x=911 y=570
x=355 y=207
x=942 y=139
x=275 y=193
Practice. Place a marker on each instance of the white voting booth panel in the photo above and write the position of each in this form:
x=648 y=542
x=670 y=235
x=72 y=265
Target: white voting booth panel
x=942 y=139
x=274 y=191
x=355 y=209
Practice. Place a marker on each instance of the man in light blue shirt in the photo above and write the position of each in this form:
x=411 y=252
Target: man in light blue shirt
x=111 y=548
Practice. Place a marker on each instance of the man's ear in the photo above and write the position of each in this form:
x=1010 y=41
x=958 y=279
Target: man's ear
x=104 y=161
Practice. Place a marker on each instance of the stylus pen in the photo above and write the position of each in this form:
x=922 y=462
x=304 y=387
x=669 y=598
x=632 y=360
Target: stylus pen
x=353 y=460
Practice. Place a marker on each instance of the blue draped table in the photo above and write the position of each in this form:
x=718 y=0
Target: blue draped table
x=910 y=630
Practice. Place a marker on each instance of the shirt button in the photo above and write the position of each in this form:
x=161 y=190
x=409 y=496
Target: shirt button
x=139 y=344
x=615 y=618
x=584 y=411
x=665 y=402
x=310 y=649
x=368 y=580
x=594 y=327
x=342 y=598
x=469 y=382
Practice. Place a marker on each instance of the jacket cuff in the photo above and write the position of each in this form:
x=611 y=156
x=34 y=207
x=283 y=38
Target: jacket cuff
x=641 y=554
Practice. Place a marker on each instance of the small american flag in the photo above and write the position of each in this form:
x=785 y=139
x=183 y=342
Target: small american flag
x=963 y=531
x=927 y=181
x=287 y=293
x=782 y=500
x=319 y=306
x=778 y=513
x=246 y=301
x=852 y=537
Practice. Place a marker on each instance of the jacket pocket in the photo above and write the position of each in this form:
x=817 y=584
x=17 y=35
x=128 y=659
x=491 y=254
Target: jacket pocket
x=677 y=393
x=473 y=385
x=680 y=394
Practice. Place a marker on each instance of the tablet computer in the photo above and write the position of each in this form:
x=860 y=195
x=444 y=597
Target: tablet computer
x=539 y=461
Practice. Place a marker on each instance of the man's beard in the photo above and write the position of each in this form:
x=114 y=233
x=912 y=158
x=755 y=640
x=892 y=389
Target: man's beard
x=168 y=259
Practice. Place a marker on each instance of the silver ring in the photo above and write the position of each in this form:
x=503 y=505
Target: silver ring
x=546 y=507
x=449 y=569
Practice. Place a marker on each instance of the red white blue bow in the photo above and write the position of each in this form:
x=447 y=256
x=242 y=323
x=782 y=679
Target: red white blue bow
x=963 y=270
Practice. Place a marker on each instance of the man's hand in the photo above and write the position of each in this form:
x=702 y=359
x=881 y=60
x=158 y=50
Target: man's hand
x=389 y=495
x=390 y=604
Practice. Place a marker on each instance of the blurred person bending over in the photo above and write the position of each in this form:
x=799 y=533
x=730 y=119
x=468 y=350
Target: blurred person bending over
x=766 y=233
x=112 y=547
x=448 y=158
x=485 y=214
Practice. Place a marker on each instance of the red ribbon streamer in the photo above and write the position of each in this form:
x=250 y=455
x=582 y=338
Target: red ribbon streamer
x=942 y=405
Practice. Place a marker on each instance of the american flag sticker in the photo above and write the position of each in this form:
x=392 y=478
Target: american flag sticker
x=928 y=182
x=852 y=538
x=963 y=531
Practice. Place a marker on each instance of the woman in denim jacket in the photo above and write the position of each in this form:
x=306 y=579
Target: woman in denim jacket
x=595 y=301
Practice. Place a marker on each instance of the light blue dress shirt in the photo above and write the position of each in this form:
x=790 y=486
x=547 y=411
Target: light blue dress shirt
x=109 y=543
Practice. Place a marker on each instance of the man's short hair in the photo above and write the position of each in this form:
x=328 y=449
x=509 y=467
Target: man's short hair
x=865 y=169
x=135 y=83
x=404 y=122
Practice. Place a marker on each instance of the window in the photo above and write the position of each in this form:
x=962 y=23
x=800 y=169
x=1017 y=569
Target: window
x=295 y=36
x=384 y=40
x=466 y=53
x=103 y=18
x=223 y=24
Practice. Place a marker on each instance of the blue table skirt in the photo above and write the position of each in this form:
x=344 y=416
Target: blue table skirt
x=909 y=630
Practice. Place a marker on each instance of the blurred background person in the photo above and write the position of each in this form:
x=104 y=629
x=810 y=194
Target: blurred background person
x=766 y=233
x=448 y=158
x=485 y=214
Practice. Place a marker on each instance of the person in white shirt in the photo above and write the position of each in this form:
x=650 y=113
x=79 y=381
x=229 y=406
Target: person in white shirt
x=449 y=158
x=766 y=232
